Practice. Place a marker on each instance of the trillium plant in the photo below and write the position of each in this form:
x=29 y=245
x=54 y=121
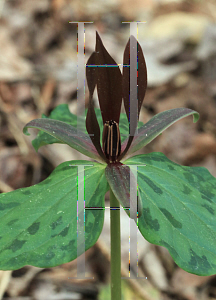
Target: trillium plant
x=173 y=206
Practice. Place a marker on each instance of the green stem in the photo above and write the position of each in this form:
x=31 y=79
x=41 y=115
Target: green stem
x=115 y=248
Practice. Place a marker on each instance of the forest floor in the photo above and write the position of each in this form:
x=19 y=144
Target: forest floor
x=38 y=71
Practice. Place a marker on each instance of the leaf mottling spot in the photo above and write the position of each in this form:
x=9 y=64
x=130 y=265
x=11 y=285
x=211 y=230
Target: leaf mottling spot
x=64 y=232
x=16 y=245
x=89 y=226
x=151 y=184
x=26 y=192
x=198 y=262
x=186 y=190
x=207 y=194
x=34 y=228
x=51 y=248
x=206 y=198
x=171 y=250
x=171 y=219
x=54 y=235
x=209 y=209
x=56 y=223
x=10 y=223
x=69 y=246
x=10 y=205
x=152 y=224
x=189 y=177
x=65 y=168
x=171 y=168
x=198 y=176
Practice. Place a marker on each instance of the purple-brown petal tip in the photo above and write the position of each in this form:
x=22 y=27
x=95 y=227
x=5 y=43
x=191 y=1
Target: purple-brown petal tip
x=109 y=83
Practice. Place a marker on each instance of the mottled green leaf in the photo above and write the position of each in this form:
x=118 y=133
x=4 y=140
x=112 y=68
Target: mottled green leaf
x=179 y=211
x=39 y=223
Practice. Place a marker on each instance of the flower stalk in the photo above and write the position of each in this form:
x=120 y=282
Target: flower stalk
x=115 y=237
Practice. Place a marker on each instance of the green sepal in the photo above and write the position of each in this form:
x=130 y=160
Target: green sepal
x=66 y=134
x=156 y=125
x=62 y=113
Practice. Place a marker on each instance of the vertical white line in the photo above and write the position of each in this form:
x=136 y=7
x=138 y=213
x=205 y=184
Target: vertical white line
x=133 y=76
x=80 y=75
x=80 y=225
x=80 y=72
x=133 y=242
x=81 y=222
x=133 y=225
x=133 y=79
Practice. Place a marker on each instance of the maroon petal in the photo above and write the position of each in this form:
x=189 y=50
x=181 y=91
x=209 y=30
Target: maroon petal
x=139 y=74
x=92 y=125
x=121 y=180
x=109 y=83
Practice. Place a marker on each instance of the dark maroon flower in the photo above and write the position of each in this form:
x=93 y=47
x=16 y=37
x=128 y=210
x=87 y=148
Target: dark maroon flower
x=103 y=73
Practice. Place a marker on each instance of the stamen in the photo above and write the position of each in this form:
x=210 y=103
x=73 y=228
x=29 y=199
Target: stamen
x=111 y=140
